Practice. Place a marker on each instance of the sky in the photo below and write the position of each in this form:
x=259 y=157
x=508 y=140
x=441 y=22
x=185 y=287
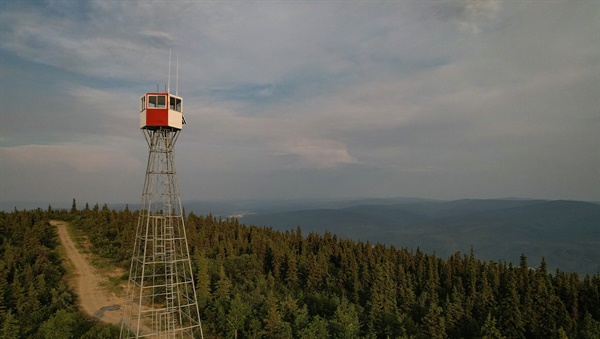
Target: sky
x=304 y=99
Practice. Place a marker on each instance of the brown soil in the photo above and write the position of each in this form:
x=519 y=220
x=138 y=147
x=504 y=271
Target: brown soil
x=94 y=300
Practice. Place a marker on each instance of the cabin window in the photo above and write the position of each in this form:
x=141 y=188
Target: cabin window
x=175 y=104
x=157 y=101
x=162 y=101
x=152 y=101
x=143 y=104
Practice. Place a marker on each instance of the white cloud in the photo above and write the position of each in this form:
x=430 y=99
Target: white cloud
x=80 y=158
x=470 y=15
x=316 y=153
x=158 y=38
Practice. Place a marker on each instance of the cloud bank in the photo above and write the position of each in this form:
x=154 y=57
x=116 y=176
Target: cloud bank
x=306 y=99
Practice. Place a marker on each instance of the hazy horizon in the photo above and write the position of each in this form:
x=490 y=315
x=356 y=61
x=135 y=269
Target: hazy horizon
x=9 y=205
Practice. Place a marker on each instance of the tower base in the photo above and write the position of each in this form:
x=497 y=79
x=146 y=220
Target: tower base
x=161 y=296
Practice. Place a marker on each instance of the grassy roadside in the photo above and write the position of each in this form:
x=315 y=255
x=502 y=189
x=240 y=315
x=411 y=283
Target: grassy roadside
x=105 y=267
x=67 y=264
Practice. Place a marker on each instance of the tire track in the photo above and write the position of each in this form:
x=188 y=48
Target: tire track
x=93 y=299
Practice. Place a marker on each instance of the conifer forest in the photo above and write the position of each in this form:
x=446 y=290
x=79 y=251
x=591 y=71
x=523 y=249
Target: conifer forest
x=256 y=282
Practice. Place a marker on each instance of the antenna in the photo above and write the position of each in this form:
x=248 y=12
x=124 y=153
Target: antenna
x=169 y=80
x=177 y=77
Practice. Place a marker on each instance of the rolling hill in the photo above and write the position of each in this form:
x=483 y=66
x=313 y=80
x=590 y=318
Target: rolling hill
x=566 y=233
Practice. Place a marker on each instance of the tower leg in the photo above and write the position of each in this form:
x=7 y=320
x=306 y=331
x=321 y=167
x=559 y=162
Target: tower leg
x=161 y=298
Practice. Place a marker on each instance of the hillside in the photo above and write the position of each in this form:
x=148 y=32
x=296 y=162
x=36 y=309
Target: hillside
x=259 y=282
x=566 y=233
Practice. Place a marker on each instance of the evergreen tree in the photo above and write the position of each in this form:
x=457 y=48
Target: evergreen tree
x=434 y=323
x=202 y=279
x=489 y=330
x=62 y=325
x=316 y=329
x=74 y=207
x=237 y=315
x=590 y=328
x=509 y=310
x=346 y=323
x=453 y=312
x=275 y=327
x=10 y=326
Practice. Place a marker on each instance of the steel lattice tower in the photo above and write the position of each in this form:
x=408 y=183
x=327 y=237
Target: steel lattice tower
x=161 y=298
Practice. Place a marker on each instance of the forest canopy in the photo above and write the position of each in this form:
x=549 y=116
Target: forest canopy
x=255 y=282
x=35 y=301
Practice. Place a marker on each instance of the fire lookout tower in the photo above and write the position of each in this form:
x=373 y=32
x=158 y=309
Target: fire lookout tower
x=160 y=300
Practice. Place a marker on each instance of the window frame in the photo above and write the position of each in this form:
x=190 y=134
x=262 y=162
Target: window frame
x=175 y=103
x=156 y=102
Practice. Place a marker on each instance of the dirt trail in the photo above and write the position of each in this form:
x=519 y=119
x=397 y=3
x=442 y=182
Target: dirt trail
x=93 y=299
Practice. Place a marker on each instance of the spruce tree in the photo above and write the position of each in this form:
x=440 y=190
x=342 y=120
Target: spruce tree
x=489 y=330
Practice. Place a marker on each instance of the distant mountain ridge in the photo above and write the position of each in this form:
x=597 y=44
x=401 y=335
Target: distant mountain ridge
x=566 y=233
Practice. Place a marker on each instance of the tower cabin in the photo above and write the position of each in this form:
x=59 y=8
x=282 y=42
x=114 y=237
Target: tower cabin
x=161 y=110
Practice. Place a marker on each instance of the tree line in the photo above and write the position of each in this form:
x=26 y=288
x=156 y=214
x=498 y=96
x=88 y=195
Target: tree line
x=256 y=282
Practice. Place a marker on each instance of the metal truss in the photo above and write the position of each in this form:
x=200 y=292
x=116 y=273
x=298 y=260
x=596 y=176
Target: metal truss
x=161 y=298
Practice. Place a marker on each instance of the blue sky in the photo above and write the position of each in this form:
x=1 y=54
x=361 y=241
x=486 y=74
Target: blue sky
x=287 y=100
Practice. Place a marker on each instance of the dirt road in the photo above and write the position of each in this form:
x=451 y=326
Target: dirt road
x=93 y=299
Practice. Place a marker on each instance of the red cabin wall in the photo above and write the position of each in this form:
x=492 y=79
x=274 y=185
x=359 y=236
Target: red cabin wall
x=157 y=117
